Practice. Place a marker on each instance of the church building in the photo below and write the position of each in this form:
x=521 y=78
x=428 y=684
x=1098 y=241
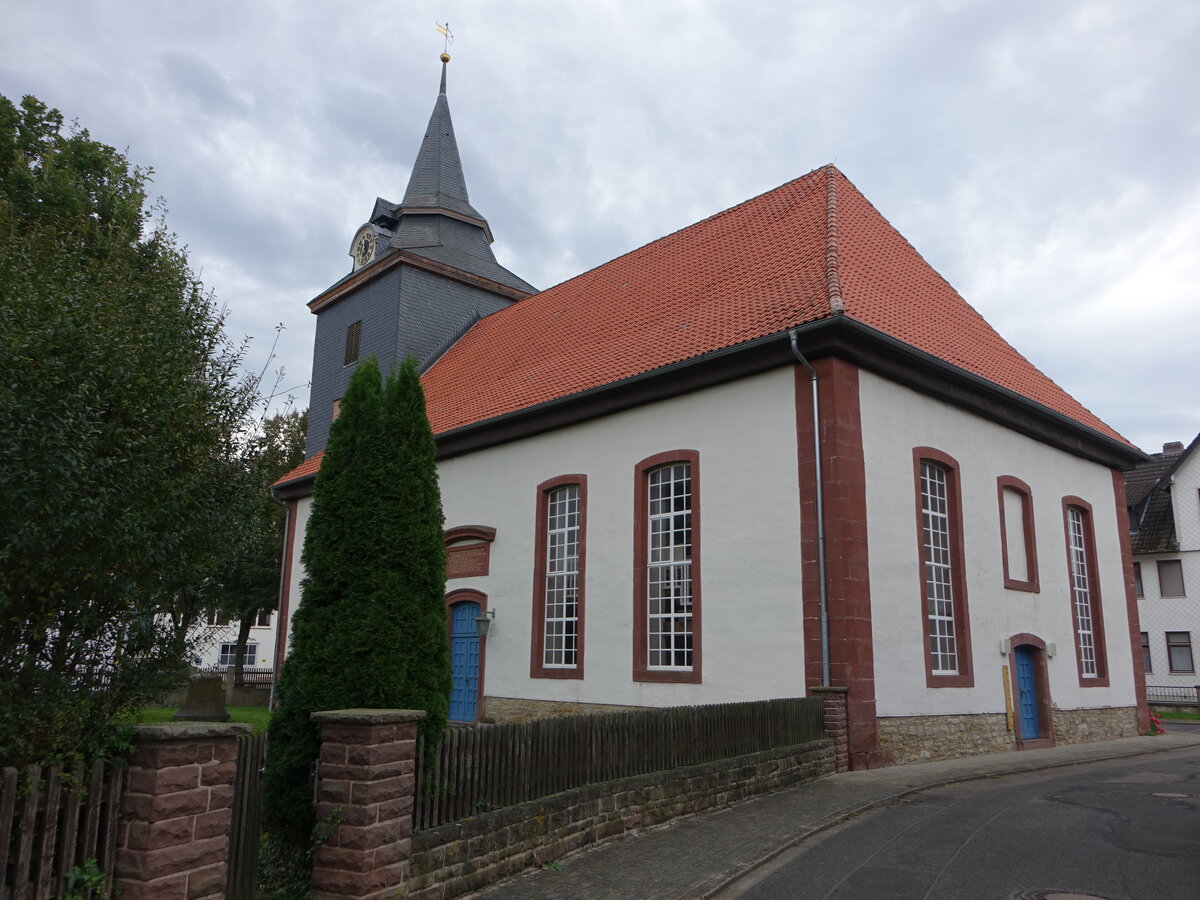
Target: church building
x=770 y=452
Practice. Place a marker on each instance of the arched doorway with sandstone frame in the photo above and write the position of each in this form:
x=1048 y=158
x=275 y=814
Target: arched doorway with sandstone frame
x=1033 y=719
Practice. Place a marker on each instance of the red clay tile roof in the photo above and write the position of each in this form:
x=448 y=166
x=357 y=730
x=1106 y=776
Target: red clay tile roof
x=785 y=258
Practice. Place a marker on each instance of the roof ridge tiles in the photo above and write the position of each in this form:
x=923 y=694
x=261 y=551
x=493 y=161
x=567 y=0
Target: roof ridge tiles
x=833 y=278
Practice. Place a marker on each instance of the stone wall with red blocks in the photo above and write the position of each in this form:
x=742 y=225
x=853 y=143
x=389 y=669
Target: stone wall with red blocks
x=173 y=840
x=366 y=781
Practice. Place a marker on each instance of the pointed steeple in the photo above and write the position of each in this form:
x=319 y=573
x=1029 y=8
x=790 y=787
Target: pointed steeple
x=437 y=184
x=436 y=219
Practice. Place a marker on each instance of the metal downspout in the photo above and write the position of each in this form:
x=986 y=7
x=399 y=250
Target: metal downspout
x=820 y=490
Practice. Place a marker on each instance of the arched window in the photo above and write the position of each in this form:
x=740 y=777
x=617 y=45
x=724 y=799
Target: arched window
x=558 y=578
x=1018 y=541
x=667 y=567
x=943 y=582
x=1086 y=611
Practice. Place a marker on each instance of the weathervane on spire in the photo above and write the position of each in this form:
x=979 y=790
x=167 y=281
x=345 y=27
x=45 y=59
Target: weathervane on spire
x=448 y=39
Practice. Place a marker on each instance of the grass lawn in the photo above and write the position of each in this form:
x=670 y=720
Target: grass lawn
x=258 y=716
x=1186 y=716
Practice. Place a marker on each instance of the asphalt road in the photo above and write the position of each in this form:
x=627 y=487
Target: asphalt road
x=1127 y=829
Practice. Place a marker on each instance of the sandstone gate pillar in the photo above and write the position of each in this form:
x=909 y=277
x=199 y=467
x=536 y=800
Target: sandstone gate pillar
x=366 y=788
x=173 y=842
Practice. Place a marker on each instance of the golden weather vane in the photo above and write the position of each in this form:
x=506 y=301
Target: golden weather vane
x=447 y=35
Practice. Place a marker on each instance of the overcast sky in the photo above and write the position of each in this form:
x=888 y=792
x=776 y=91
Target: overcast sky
x=1043 y=156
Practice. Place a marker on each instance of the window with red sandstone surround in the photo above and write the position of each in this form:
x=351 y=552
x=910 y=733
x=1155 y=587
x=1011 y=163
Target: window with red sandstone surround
x=943 y=580
x=1085 y=593
x=558 y=578
x=667 y=567
x=1018 y=542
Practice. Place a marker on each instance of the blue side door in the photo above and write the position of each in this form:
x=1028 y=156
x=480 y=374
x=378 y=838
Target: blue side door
x=1027 y=706
x=464 y=661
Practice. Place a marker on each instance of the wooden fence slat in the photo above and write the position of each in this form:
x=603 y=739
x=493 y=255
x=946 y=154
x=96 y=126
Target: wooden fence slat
x=8 y=804
x=70 y=827
x=22 y=877
x=44 y=858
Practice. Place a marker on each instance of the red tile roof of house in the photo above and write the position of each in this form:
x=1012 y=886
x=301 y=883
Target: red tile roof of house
x=799 y=253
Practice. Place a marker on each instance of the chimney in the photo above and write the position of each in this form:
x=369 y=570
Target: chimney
x=1170 y=449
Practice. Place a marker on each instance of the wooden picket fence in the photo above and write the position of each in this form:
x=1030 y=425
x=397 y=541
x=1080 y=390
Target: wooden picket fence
x=493 y=766
x=52 y=820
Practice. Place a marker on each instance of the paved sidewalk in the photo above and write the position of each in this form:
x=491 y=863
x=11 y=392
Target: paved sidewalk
x=696 y=856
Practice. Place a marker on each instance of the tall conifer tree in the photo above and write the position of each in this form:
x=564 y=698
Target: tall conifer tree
x=371 y=629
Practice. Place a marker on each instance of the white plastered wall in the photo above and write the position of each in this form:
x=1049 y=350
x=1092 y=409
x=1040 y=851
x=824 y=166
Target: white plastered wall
x=1160 y=614
x=752 y=640
x=302 y=510
x=894 y=421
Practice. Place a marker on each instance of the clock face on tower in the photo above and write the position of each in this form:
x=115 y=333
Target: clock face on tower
x=363 y=249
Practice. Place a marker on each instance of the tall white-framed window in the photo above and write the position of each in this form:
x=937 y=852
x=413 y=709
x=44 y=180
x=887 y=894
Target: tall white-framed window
x=1081 y=593
x=939 y=580
x=228 y=655
x=1179 y=652
x=561 y=589
x=669 y=568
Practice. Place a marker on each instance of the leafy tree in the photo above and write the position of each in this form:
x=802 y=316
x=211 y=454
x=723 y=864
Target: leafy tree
x=122 y=402
x=371 y=629
x=251 y=584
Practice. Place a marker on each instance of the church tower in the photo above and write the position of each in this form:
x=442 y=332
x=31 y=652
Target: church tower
x=423 y=273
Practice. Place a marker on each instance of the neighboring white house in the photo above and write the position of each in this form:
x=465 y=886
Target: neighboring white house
x=634 y=485
x=215 y=642
x=1164 y=513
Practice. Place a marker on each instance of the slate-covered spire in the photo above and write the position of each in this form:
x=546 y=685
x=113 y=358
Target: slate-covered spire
x=437 y=182
x=436 y=219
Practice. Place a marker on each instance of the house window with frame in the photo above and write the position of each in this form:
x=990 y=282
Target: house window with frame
x=263 y=620
x=353 y=339
x=1179 y=652
x=1085 y=593
x=214 y=619
x=1147 y=662
x=666 y=563
x=945 y=621
x=559 y=578
x=1170 y=578
x=228 y=656
x=1137 y=580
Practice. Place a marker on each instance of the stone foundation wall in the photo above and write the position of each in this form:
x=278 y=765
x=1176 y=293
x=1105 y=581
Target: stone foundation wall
x=1082 y=726
x=513 y=709
x=455 y=859
x=916 y=739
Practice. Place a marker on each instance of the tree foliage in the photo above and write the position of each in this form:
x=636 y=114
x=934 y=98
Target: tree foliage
x=251 y=583
x=122 y=403
x=371 y=627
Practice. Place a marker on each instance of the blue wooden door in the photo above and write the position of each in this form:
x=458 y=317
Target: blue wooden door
x=464 y=661
x=1026 y=693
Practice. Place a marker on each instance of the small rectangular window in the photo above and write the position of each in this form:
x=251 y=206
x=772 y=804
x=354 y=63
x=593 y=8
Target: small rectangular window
x=1147 y=663
x=228 y=655
x=214 y=619
x=353 y=334
x=1137 y=579
x=264 y=619
x=1179 y=651
x=1170 y=578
